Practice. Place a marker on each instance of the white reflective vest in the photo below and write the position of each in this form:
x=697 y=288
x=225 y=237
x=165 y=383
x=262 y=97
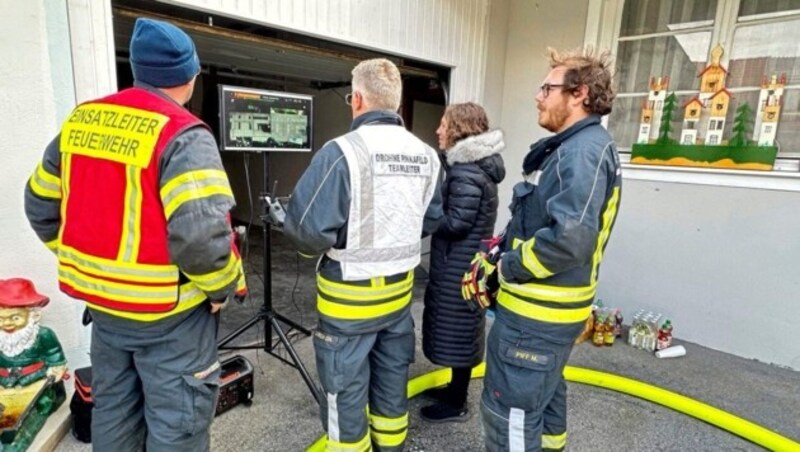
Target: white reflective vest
x=393 y=176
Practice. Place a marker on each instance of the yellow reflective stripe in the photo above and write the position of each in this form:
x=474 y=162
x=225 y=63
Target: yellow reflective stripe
x=541 y=313
x=193 y=185
x=190 y=297
x=52 y=245
x=554 y=441
x=516 y=243
x=134 y=272
x=388 y=423
x=132 y=216
x=532 y=263
x=608 y=220
x=351 y=312
x=113 y=290
x=361 y=445
x=388 y=439
x=218 y=279
x=364 y=293
x=66 y=166
x=241 y=283
x=45 y=184
x=555 y=294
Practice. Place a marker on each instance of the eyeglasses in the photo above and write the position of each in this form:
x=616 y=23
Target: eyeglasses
x=547 y=87
x=348 y=98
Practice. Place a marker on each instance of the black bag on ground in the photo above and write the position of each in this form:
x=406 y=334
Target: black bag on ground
x=81 y=405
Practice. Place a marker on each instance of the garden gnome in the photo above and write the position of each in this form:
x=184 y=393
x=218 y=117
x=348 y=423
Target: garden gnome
x=32 y=365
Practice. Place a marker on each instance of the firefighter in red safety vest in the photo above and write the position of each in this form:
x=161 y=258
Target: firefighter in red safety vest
x=132 y=198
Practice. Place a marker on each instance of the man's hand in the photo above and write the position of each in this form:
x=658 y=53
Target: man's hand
x=216 y=306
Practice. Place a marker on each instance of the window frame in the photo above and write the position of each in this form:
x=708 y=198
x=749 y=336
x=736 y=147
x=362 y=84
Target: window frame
x=603 y=25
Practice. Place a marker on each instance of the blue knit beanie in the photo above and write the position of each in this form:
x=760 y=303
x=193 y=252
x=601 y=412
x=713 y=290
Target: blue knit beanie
x=162 y=55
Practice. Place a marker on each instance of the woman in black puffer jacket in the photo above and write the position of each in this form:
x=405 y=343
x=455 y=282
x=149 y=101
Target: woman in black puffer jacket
x=452 y=333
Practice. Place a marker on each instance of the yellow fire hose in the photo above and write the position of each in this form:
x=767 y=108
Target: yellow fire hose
x=707 y=413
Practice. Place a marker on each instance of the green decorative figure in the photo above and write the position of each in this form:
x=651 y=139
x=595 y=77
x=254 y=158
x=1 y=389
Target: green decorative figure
x=32 y=365
x=741 y=126
x=666 y=120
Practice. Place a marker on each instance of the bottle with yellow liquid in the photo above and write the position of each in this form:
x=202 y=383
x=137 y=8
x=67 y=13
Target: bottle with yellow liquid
x=609 y=332
x=598 y=338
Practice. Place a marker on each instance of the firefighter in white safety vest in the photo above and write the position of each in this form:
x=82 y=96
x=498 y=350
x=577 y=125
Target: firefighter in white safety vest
x=366 y=201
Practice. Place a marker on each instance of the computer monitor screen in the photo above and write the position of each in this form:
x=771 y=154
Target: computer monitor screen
x=264 y=121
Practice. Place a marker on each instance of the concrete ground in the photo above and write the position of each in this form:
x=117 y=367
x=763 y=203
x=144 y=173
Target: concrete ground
x=284 y=415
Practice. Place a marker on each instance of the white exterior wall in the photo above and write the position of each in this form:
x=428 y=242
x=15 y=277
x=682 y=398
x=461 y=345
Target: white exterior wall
x=451 y=32
x=37 y=92
x=720 y=262
x=530 y=30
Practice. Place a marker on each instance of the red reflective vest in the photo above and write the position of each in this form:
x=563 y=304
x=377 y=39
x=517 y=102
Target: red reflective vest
x=112 y=250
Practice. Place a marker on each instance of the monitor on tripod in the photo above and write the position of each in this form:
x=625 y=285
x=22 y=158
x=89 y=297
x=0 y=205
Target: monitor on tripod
x=258 y=120
x=261 y=121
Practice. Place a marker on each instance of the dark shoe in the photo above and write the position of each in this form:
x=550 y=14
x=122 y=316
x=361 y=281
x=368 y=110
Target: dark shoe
x=441 y=412
x=439 y=394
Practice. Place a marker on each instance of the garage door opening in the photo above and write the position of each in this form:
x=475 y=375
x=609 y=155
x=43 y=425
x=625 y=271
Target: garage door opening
x=238 y=53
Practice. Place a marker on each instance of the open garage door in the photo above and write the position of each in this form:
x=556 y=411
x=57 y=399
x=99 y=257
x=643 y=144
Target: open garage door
x=237 y=53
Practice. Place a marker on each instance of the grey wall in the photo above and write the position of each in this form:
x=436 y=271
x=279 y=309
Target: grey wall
x=719 y=261
x=529 y=31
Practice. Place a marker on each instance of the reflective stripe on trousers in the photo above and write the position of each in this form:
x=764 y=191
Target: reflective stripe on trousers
x=523 y=376
x=364 y=377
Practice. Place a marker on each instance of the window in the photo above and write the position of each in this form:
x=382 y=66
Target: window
x=673 y=38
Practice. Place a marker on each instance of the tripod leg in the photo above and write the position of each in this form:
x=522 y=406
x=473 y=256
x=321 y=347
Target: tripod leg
x=292 y=324
x=299 y=364
x=241 y=329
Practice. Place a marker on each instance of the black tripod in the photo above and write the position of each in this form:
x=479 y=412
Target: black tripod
x=266 y=313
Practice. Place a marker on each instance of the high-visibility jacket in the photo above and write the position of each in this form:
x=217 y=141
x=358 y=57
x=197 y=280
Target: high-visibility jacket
x=392 y=181
x=562 y=217
x=365 y=201
x=112 y=245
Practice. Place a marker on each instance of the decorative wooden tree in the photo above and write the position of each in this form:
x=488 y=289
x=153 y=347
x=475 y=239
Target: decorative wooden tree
x=666 y=120
x=740 y=126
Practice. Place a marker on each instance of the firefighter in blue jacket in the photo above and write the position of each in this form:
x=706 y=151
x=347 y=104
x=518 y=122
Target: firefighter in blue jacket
x=562 y=216
x=365 y=201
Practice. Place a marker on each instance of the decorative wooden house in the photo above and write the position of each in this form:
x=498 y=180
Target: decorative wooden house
x=691 y=120
x=704 y=120
x=717 y=112
x=652 y=109
x=769 y=110
x=712 y=78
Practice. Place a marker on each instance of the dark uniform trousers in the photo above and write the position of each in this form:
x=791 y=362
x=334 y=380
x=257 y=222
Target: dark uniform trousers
x=523 y=405
x=156 y=380
x=365 y=377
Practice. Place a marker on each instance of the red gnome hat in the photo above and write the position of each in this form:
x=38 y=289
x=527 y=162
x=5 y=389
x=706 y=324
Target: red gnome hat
x=20 y=293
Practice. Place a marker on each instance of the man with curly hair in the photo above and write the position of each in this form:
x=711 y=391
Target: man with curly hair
x=562 y=215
